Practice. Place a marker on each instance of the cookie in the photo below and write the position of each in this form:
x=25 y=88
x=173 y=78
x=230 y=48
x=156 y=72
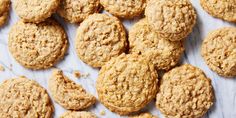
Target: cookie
x=78 y=114
x=124 y=8
x=35 y=10
x=164 y=54
x=69 y=94
x=76 y=11
x=37 y=46
x=224 y=9
x=126 y=84
x=24 y=98
x=171 y=19
x=99 y=38
x=143 y=115
x=218 y=51
x=185 y=92
x=4 y=11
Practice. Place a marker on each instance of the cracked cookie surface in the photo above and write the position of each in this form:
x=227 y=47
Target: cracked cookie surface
x=171 y=19
x=78 y=114
x=127 y=84
x=218 y=51
x=35 y=10
x=164 y=54
x=4 y=11
x=68 y=94
x=76 y=11
x=99 y=38
x=185 y=92
x=37 y=46
x=24 y=98
x=124 y=8
x=224 y=9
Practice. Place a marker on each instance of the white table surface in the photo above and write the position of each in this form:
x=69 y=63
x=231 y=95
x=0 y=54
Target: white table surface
x=225 y=89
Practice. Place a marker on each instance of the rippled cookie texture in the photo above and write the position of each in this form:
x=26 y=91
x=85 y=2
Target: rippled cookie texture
x=78 y=114
x=127 y=84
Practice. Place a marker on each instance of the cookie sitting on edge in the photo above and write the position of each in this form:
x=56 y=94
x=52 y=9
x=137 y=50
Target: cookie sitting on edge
x=4 y=11
x=185 y=92
x=24 y=98
x=126 y=84
x=35 y=10
x=68 y=94
x=218 y=51
x=78 y=114
x=76 y=11
x=99 y=38
x=164 y=54
x=37 y=46
x=171 y=19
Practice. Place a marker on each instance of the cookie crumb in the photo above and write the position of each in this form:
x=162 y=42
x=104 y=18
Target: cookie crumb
x=102 y=113
x=77 y=74
x=2 y=68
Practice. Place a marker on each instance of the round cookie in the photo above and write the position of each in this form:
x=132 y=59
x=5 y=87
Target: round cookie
x=37 y=46
x=76 y=11
x=99 y=38
x=35 y=10
x=224 y=9
x=68 y=94
x=218 y=51
x=164 y=54
x=185 y=92
x=24 y=98
x=124 y=8
x=126 y=84
x=144 y=115
x=4 y=11
x=171 y=19
x=78 y=114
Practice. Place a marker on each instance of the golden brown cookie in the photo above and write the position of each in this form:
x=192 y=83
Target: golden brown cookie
x=124 y=8
x=76 y=11
x=35 y=10
x=144 y=115
x=69 y=94
x=185 y=92
x=164 y=54
x=37 y=46
x=4 y=11
x=24 y=98
x=78 y=114
x=171 y=19
x=126 y=84
x=99 y=38
x=218 y=51
x=224 y=9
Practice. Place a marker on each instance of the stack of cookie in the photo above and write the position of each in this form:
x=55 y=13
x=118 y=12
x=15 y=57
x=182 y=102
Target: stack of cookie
x=130 y=65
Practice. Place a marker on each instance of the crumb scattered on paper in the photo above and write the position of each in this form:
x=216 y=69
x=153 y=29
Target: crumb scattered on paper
x=77 y=74
x=2 y=68
x=102 y=113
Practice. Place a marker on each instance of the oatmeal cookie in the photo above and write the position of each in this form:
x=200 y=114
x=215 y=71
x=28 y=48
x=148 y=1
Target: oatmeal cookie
x=185 y=92
x=163 y=53
x=69 y=94
x=4 y=11
x=99 y=38
x=76 y=11
x=24 y=98
x=124 y=8
x=78 y=114
x=37 y=46
x=171 y=19
x=35 y=10
x=144 y=115
x=224 y=9
x=218 y=51
x=126 y=84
